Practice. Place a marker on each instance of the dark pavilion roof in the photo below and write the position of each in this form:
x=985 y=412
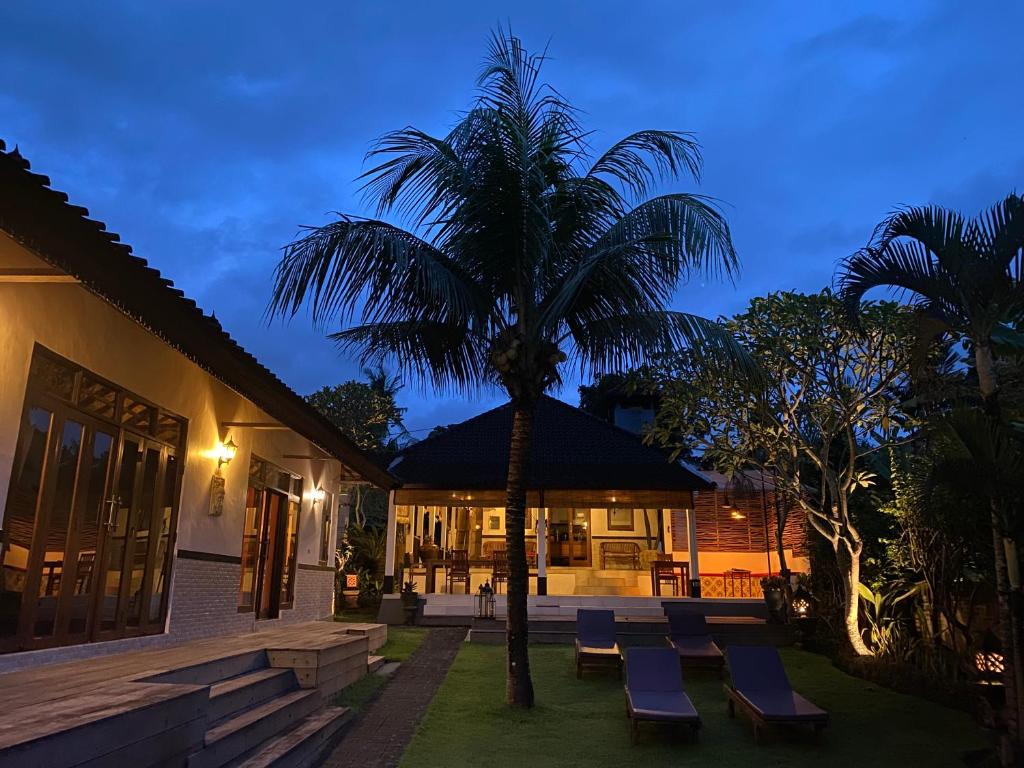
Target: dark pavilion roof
x=42 y=220
x=572 y=450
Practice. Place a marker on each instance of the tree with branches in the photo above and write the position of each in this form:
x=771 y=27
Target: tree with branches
x=827 y=404
x=521 y=252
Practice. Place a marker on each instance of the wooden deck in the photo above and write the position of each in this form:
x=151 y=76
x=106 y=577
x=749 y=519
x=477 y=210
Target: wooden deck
x=148 y=707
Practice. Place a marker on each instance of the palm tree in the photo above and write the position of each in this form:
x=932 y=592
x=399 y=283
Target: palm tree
x=519 y=255
x=965 y=276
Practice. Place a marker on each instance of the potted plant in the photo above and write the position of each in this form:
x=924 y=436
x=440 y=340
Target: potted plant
x=410 y=597
x=774 y=588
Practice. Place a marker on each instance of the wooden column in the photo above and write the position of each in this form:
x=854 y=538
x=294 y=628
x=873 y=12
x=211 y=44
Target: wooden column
x=392 y=543
x=542 y=551
x=691 y=538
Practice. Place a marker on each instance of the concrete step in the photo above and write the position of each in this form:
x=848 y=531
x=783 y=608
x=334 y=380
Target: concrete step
x=302 y=746
x=238 y=735
x=237 y=694
x=373 y=663
x=214 y=671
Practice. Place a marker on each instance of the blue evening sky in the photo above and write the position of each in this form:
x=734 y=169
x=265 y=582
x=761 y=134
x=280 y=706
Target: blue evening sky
x=206 y=132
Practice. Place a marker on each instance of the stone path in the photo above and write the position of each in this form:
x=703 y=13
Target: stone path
x=384 y=729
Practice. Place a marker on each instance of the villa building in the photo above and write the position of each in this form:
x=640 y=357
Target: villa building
x=608 y=514
x=156 y=481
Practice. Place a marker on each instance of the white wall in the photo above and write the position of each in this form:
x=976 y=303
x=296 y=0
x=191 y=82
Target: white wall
x=76 y=324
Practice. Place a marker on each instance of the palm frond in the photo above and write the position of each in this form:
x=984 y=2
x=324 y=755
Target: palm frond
x=391 y=271
x=450 y=357
x=640 y=160
x=642 y=257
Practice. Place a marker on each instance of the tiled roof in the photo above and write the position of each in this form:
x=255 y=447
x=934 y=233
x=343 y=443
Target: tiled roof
x=63 y=235
x=571 y=450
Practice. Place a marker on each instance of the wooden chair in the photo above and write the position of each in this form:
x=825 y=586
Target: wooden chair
x=459 y=570
x=499 y=569
x=666 y=572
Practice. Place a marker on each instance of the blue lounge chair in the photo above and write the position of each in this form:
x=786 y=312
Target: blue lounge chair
x=596 y=645
x=654 y=690
x=688 y=634
x=760 y=687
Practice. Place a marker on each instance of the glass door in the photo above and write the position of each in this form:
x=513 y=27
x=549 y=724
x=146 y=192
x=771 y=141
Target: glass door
x=137 y=532
x=569 y=536
x=56 y=500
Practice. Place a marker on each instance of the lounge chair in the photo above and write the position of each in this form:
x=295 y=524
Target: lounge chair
x=654 y=690
x=596 y=645
x=760 y=687
x=688 y=634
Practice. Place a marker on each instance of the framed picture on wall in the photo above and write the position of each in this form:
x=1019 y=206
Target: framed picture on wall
x=494 y=522
x=620 y=519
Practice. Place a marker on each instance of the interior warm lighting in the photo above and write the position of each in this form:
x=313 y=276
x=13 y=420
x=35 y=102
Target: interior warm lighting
x=226 y=452
x=613 y=499
x=319 y=495
x=737 y=515
x=801 y=607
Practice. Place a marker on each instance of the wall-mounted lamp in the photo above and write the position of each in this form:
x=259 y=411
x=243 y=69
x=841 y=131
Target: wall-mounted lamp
x=226 y=452
x=319 y=495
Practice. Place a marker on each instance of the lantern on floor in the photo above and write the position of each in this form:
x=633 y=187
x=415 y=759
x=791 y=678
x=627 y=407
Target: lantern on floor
x=485 y=601
x=989 y=659
x=802 y=603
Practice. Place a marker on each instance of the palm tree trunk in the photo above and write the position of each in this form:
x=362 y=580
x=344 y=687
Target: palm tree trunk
x=519 y=690
x=1008 y=594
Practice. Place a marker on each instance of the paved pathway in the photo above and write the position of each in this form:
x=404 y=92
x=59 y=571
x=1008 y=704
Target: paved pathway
x=384 y=729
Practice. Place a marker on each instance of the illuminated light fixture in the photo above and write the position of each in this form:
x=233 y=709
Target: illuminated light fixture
x=989 y=662
x=319 y=495
x=802 y=603
x=226 y=452
x=737 y=515
x=351 y=581
x=613 y=499
x=727 y=503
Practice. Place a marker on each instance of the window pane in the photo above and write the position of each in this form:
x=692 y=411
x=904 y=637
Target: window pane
x=96 y=397
x=143 y=522
x=291 y=544
x=162 y=528
x=53 y=376
x=325 y=529
x=168 y=429
x=93 y=514
x=250 y=546
x=20 y=516
x=55 y=543
x=137 y=415
x=117 y=533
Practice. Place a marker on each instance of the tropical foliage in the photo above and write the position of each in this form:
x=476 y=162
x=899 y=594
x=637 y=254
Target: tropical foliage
x=825 y=406
x=515 y=250
x=366 y=411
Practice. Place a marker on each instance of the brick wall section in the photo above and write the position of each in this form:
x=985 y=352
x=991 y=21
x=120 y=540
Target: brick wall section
x=204 y=600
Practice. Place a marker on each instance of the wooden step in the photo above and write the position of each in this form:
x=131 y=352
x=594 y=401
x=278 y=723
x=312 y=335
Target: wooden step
x=373 y=663
x=237 y=694
x=303 y=745
x=211 y=672
x=236 y=736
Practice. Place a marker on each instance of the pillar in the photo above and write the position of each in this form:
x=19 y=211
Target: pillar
x=392 y=543
x=691 y=539
x=542 y=551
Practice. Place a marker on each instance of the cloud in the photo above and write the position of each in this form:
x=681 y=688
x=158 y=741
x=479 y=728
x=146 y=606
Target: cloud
x=207 y=133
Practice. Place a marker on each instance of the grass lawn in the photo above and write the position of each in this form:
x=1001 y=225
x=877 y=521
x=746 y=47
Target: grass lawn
x=402 y=642
x=583 y=723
